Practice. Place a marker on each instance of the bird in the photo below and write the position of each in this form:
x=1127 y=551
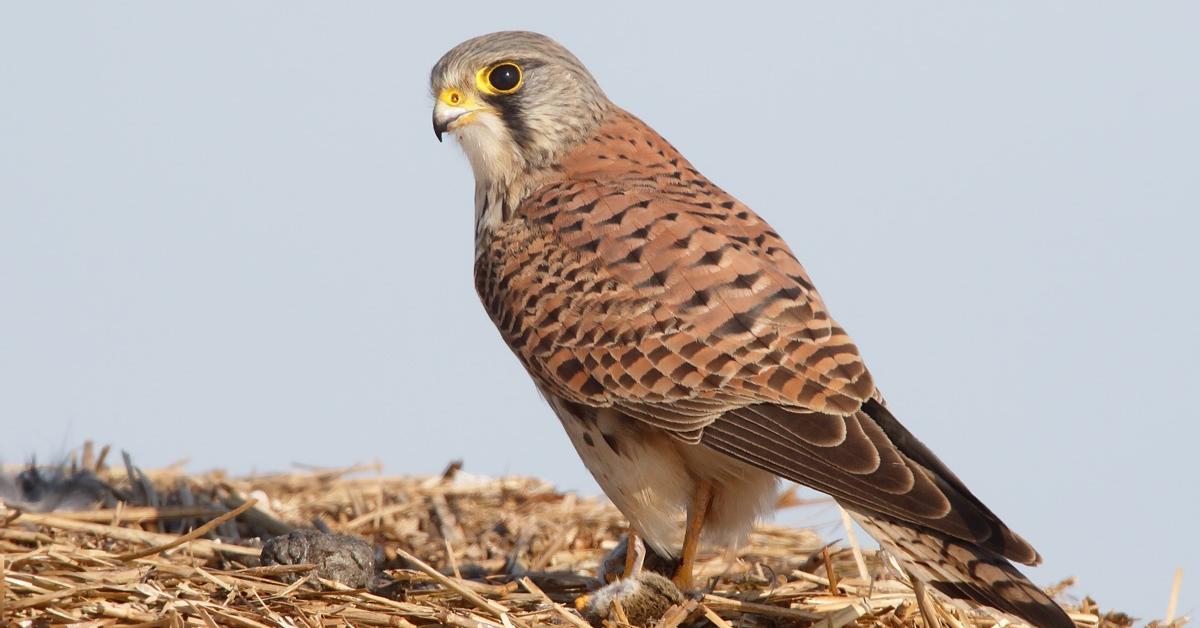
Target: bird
x=682 y=346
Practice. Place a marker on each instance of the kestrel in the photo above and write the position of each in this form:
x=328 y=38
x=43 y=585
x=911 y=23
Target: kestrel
x=680 y=343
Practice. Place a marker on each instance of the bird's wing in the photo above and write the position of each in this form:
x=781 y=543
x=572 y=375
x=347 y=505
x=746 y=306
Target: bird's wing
x=656 y=297
x=637 y=284
x=870 y=463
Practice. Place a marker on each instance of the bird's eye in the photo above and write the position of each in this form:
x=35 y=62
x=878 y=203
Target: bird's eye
x=505 y=78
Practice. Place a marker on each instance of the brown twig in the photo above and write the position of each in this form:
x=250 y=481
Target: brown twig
x=194 y=534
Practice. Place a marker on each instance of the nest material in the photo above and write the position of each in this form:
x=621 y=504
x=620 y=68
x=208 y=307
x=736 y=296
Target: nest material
x=453 y=550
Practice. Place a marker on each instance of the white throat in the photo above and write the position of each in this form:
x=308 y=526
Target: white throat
x=496 y=164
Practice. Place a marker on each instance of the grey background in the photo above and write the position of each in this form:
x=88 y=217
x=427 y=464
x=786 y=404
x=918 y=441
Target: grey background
x=227 y=234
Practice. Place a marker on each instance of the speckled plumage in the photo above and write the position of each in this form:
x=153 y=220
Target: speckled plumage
x=678 y=339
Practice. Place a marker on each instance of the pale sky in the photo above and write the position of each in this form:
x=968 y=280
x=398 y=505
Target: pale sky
x=227 y=234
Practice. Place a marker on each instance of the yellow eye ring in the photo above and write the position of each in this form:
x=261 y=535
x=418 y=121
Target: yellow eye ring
x=503 y=78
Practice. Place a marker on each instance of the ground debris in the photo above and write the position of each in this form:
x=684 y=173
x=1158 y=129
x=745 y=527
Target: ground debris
x=451 y=549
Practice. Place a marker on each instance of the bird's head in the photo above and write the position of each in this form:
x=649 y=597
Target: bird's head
x=517 y=101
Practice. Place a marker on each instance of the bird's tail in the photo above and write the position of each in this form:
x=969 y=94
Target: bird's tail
x=964 y=571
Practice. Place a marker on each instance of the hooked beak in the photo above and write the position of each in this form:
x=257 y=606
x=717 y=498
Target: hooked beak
x=445 y=116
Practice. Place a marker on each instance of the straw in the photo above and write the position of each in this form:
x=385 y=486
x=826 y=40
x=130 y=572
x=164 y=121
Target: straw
x=455 y=549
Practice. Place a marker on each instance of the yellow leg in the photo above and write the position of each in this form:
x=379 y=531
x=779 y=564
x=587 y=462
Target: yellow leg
x=635 y=555
x=696 y=513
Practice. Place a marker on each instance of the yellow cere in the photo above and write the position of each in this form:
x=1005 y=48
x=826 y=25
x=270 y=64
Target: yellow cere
x=453 y=97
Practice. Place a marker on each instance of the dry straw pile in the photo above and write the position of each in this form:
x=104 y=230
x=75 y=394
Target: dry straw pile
x=178 y=549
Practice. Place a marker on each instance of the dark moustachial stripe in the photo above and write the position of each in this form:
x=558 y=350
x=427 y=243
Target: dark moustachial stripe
x=512 y=113
x=512 y=106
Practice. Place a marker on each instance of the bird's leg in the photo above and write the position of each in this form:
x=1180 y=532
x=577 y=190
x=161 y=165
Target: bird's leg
x=697 y=510
x=635 y=554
